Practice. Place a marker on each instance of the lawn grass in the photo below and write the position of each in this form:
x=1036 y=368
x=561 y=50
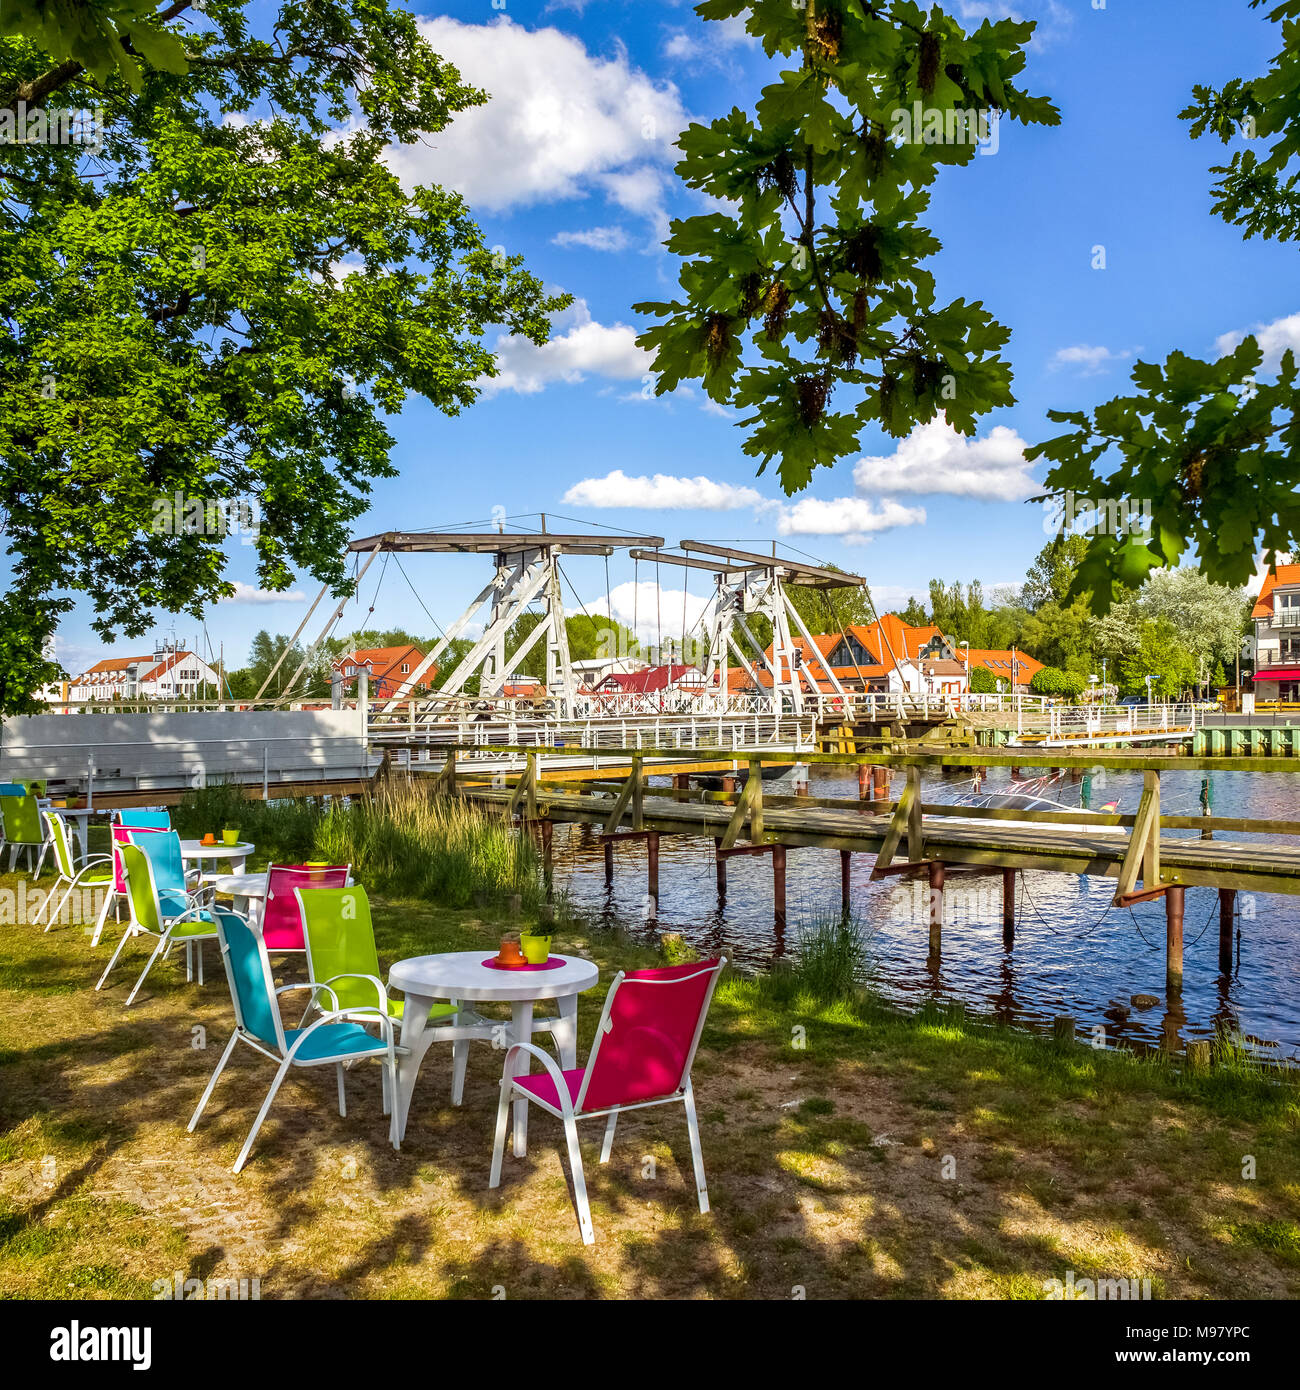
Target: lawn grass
x=852 y=1151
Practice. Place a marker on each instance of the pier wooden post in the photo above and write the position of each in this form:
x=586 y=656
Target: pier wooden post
x=778 y=883
x=547 y=830
x=1174 y=903
x=1227 y=904
x=682 y=781
x=1008 y=907
x=652 y=861
x=638 y=794
x=756 y=805
x=880 y=784
x=936 y=908
x=845 y=857
x=721 y=867
x=609 y=865
x=865 y=773
x=729 y=783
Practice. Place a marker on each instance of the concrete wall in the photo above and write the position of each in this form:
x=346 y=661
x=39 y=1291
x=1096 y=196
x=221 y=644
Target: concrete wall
x=141 y=752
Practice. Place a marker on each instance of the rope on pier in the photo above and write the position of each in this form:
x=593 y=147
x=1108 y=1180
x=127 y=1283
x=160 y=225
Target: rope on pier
x=1029 y=897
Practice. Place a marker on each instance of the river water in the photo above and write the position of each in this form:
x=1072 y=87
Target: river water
x=1074 y=954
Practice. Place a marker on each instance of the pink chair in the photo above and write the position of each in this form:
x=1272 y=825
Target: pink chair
x=281 y=922
x=642 y=1055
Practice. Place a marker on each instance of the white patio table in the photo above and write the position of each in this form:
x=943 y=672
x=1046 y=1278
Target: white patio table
x=463 y=976
x=236 y=854
x=245 y=889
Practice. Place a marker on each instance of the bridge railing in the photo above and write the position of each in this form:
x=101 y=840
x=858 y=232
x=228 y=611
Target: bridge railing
x=1100 y=721
x=497 y=737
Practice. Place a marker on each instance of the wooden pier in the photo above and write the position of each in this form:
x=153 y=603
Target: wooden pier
x=909 y=836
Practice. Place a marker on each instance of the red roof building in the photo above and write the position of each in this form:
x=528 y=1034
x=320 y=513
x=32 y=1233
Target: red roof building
x=386 y=668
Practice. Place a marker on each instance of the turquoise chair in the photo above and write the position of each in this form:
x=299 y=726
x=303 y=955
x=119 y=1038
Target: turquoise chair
x=193 y=927
x=145 y=820
x=333 y=1039
x=176 y=893
x=23 y=829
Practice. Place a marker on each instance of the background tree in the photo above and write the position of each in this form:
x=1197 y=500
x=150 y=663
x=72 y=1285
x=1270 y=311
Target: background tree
x=812 y=257
x=1206 y=617
x=1051 y=576
x=983 y=681
x=1159 y=653
x=1206 y=442
x=1058 y=684
x=227 y=309
x=915 y=614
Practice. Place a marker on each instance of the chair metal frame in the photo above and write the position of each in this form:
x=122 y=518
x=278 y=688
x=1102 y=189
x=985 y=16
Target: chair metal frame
x=570 y=1110
x=167 y=925
x=288 y=1054
x=66 y=867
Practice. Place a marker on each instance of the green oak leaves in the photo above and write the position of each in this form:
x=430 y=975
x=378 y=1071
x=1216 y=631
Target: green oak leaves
x=805 y=300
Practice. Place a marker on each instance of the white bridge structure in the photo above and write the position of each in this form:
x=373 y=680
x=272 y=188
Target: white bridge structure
x=528 y=578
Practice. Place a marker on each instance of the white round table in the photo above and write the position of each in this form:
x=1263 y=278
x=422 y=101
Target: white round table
x=461 y=975
x=237 y=854
x=243 y=888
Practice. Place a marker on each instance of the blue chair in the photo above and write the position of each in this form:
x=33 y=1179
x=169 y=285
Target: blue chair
x=334 y=1038
x=145 y=820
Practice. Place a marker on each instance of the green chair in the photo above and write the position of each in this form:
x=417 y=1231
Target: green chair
x=341 y=954
x=90 y=874
x=23 y=829
x=193 y=927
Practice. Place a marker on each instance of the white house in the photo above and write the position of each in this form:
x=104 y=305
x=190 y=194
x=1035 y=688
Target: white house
x=166 y=674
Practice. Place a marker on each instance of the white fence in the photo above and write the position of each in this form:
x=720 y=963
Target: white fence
x=164 y=751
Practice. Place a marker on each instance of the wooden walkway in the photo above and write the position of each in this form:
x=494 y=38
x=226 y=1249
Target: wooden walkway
x=1253 y=866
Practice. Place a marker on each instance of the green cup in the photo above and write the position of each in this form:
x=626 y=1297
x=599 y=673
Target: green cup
x=536 y=949
x=230 y=835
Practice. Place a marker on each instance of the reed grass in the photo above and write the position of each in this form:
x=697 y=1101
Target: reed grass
x=407 y=841
x=830 y=959
x=283 y=831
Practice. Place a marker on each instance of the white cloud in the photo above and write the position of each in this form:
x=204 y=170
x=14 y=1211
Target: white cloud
x=587 y=347
x=1054 y=19
x=1090 y=360
x=247 y=593
x=934 y=458
x=853 y=518
x=708 y=42
x=652 y=611
x=1273 y=338
x=594 y=239
x=559 y=123
x=73 y=657
x=891 y=598
x=662 y=492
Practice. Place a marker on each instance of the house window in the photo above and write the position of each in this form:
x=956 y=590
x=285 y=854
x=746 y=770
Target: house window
x=406 y=668
x=351 y=670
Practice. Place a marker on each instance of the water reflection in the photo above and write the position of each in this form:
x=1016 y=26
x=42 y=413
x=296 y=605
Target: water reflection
x=1073 y=953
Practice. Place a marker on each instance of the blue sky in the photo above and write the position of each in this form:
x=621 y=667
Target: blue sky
x=571 y=164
